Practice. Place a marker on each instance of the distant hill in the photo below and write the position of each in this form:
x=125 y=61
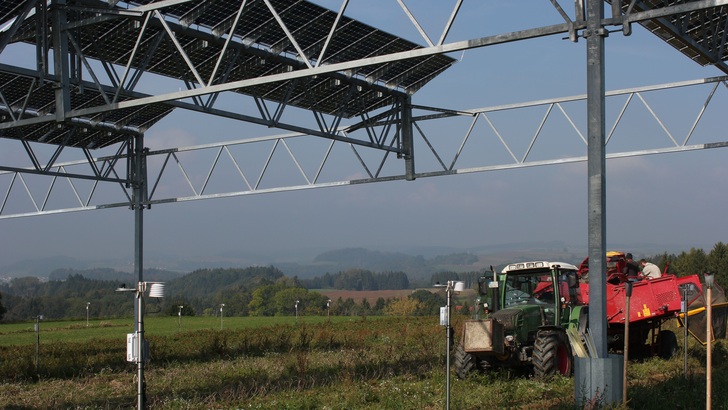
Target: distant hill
x=205 y=282
x=108 y=274
x=417 y=262
x=372 y=260
x=41 y=267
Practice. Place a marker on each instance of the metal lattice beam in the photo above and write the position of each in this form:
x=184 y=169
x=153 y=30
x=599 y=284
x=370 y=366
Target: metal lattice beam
x=437 y=155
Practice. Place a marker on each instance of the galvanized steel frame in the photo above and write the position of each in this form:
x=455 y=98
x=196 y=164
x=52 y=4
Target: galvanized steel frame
x=382 y=130
x=397 y=135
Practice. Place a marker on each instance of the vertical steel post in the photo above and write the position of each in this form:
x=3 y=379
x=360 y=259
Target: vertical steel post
x=708 y=338
x=448 y=290
x=685 y=330
x=60 y=59
x=596 y=169
x=406 y=135
x=628 y=288
x=222 y=305
x=37 y=345
x=139 y=195
x=141 y=385
x=599 y=375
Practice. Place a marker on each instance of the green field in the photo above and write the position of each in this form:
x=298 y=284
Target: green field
x=14 y=334
x=312 y=363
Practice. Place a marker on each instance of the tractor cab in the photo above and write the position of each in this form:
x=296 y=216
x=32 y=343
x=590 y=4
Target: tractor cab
x=543 y=287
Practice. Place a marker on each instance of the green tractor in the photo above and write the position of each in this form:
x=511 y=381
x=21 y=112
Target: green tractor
x=522 y=320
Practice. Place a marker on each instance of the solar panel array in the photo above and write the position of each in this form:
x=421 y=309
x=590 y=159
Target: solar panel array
x=198 y=53
x=700 y=35
x=259 y=47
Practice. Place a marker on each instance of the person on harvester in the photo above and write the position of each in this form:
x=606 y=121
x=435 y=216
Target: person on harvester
x=650 y=270
x=631 y=269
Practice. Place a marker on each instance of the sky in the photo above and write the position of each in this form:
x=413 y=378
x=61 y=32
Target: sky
x=671 y=202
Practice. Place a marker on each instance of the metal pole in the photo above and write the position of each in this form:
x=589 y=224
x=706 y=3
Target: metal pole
x=140 y=347
x=87 y=303
x=709 y=354
x=685 y=330
x=596 y=170
x=139 y=195
x=628 y=288
x=222 y=305
x=37 y=345
x=447 y=335
x=406 y=139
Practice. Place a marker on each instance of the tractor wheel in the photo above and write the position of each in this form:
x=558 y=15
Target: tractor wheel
x=465 y=363
x=552 y=354
x=667 y=344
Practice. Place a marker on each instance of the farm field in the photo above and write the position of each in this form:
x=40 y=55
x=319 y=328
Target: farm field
x=278 y=363
x=77 y=331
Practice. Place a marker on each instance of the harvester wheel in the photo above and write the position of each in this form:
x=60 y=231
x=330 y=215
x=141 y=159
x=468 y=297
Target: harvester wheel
x=552 y=354
x=465 y=362
x=667 y=344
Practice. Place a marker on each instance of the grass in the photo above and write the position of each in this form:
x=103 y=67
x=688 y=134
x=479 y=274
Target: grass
x=390 y=363
x=14 y=334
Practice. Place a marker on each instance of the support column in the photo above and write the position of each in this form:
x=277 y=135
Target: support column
x=406 y=135
x=138 y=176
x=596 y=169
x=60 y=59
x=598 y=377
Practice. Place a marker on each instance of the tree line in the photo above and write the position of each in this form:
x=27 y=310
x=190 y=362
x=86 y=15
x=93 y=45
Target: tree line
x=253 y=291
x=359 y=279
x=267 y=291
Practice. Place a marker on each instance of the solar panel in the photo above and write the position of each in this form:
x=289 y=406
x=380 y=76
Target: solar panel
x=700 y=35
x=29 y=98
x=259 y=47
x=109 y=32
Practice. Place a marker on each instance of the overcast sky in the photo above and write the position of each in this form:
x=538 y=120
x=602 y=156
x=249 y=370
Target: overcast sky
x=671 y=202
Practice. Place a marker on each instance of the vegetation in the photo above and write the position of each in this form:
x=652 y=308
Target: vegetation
x=312 y=364
x=261 y=355
x=697 y=261
x=253 y=291
x=265 y=291
x=359 y=279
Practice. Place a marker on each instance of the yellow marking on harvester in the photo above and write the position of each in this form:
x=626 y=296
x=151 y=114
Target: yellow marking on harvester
x=645 y=310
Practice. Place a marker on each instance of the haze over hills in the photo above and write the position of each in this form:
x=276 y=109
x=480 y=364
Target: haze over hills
x=416 y=262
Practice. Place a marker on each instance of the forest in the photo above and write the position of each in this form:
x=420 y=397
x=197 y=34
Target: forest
x=252 y=291
x=268 y=291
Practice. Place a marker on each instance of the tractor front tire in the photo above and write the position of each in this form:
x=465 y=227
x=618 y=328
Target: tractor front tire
x=465 y=363
x=552 y=354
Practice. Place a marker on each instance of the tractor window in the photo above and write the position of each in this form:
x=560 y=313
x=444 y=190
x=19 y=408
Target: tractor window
x=528 y=288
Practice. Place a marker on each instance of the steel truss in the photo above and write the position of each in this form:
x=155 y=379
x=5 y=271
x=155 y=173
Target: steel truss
x=496 y=149
x=292 y=53
x=115 y=82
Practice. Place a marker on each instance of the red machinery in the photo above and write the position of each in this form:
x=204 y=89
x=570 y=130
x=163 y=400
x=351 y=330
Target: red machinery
x=653 y=302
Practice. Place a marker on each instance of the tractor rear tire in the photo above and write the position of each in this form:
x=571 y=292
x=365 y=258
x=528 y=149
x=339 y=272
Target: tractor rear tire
x=552 y=354
x=667 y=344
x=465 y=363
